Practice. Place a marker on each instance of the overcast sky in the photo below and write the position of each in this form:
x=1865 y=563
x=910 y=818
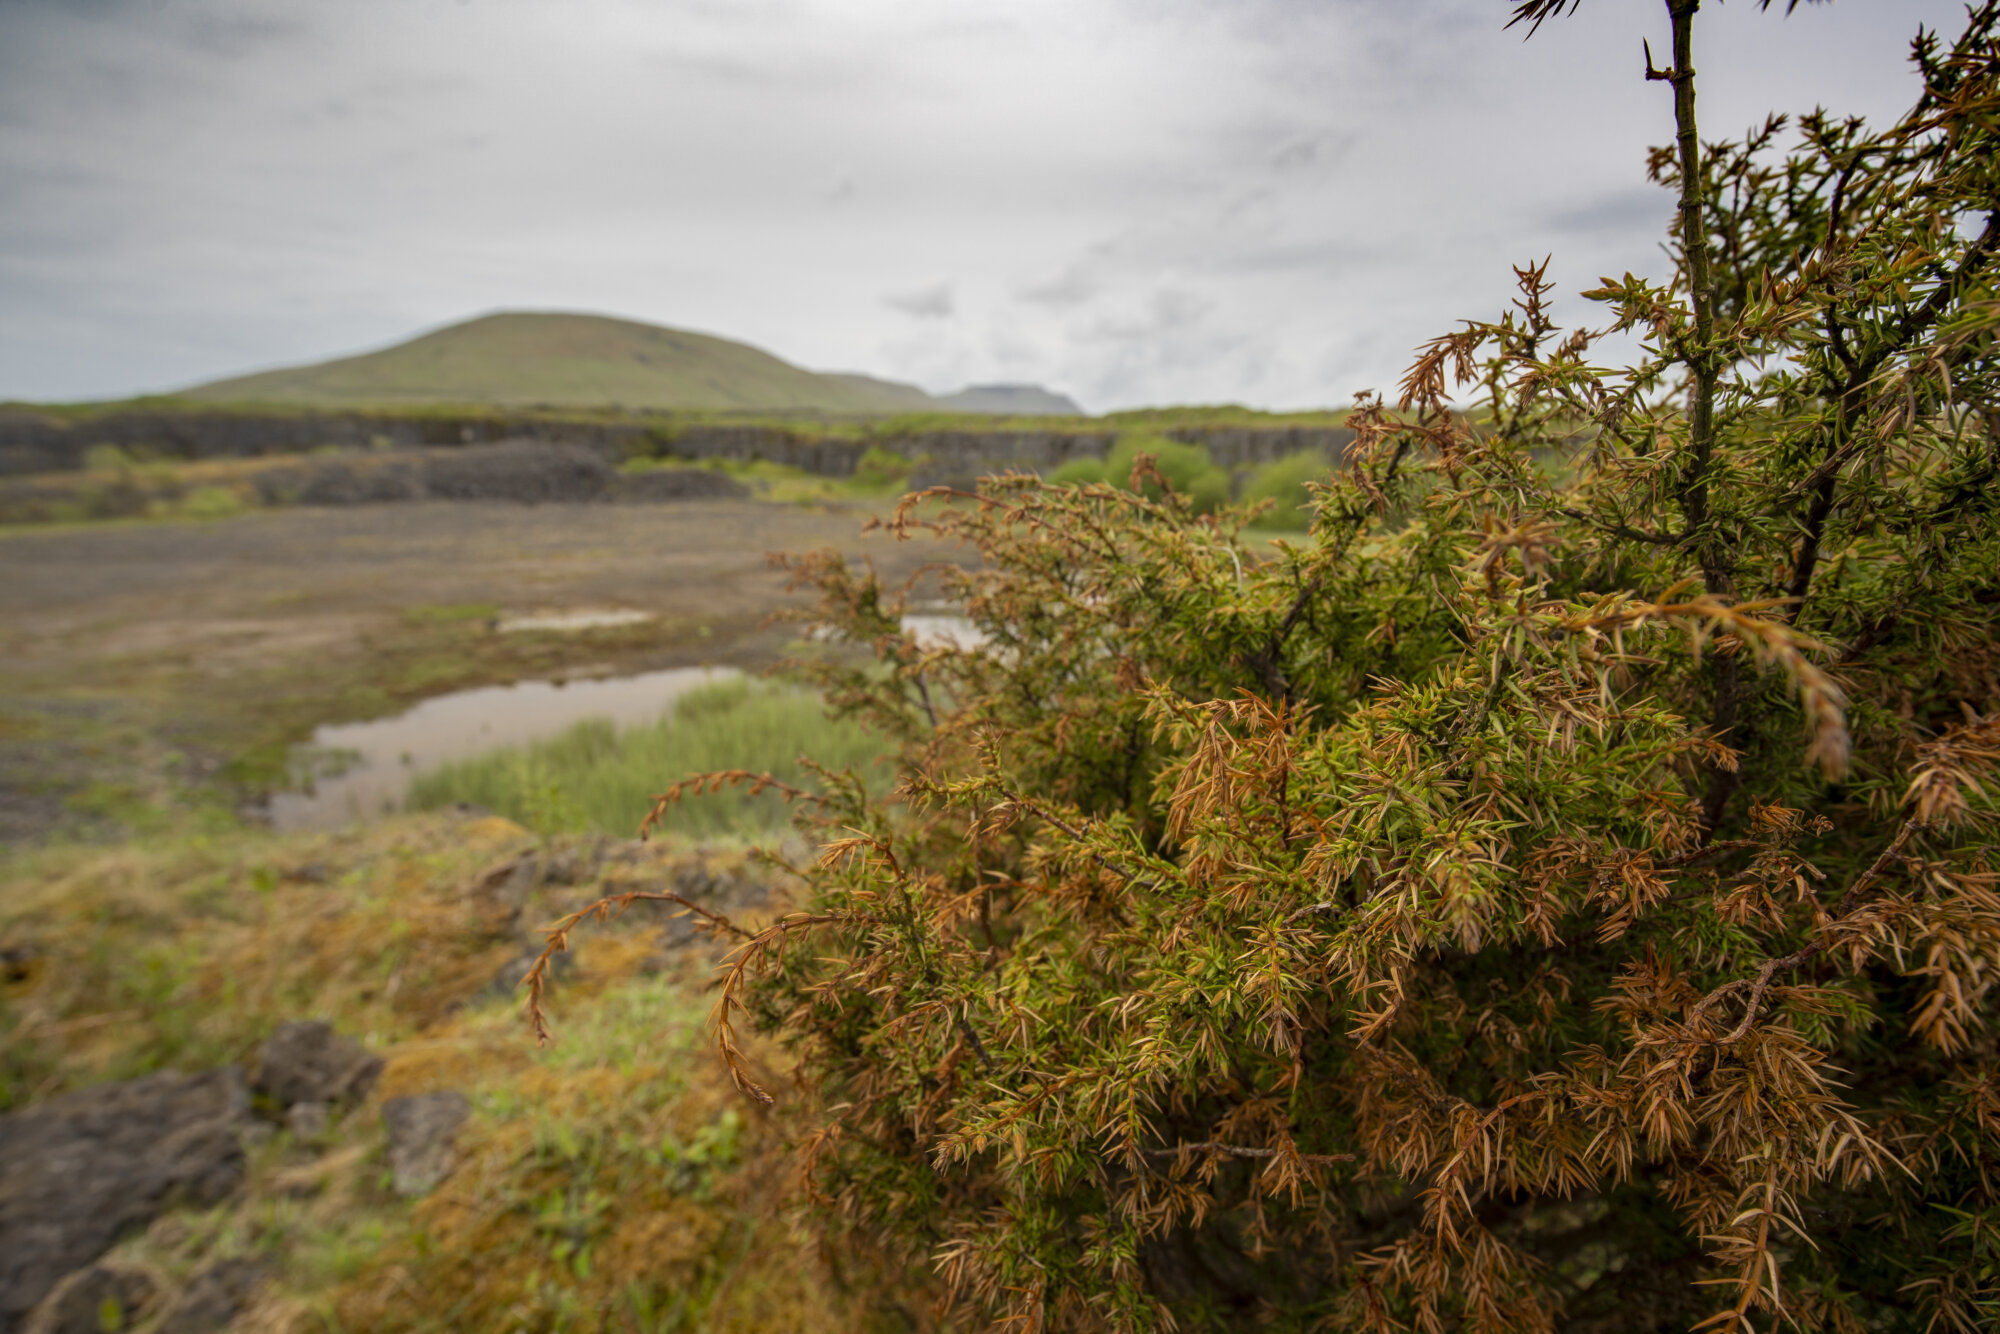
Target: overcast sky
x=1131 y=201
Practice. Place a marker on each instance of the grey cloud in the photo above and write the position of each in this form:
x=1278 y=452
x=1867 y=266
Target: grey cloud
x=236 y=36
x=1635 y=210
x=826 y=68
x=1072 y=287
x=742 y=70
x=27 y=181
x=1123 y=376
x=1297 y=192
x=925 y=303
x=1326 y=258
x=1166 y=310
x=1318 y=152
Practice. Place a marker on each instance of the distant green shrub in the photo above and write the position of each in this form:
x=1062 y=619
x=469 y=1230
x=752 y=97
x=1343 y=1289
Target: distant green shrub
x=444 y=613
x=1284 y=481
x=211 y=502
x=1186 y=467
x=596 y=777
x=1079 y=472
x=881 y=468
x=106 y=457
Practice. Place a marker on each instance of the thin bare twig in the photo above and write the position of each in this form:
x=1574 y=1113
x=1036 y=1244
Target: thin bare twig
x=714 y=781
x=605 y=909
x=1810 y=951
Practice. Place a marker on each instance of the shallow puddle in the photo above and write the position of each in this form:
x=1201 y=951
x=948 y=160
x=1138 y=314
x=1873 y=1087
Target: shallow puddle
x=378 y=759
x=368 y=766
x=586 y=618
x=944 y=631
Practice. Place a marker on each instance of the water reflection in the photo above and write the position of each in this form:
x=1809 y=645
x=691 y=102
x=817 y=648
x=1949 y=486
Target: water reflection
x=586 y=618
x=385 y=754
x=368 y=766
x=944 y=631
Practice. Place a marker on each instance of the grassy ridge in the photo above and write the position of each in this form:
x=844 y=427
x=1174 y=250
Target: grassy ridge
x=593 y=777
x=525 y=419
x=562 y=359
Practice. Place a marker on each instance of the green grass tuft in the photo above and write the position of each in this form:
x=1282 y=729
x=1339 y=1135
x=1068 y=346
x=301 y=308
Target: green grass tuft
x=447 y=613
x=594 y=777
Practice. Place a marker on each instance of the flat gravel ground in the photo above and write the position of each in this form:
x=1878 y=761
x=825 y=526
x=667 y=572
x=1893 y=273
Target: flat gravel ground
x=143 y=662
x=91 y=592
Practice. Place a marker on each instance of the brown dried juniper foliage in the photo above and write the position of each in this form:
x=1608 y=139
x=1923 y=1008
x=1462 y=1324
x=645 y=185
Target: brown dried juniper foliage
x=1560 y=893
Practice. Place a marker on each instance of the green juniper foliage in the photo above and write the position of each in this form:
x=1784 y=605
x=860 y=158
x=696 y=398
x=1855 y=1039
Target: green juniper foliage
x=1558 y=891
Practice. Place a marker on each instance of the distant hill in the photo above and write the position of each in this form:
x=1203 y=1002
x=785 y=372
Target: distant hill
x=1010 y=400
x=522 y=359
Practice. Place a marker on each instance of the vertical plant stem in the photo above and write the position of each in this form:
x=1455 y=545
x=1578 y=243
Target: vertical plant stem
x=1700 y=357
x=1701 y=360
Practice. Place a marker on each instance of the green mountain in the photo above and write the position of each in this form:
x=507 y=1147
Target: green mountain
x=573 y=361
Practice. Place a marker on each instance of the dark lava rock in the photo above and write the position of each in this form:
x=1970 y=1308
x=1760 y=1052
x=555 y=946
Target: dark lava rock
x=678 y=484
x=510 y=883
x=339 y=484
x=93 y=1300
x=421 y=1130
x=725 y=892
x=528 y=471
x=306 y=1061
x=507 y=980
x=307 y=1120
x=213 y=1298
x=577 y=865
x=17 y=962
x=27 y=815
x=79 y=1170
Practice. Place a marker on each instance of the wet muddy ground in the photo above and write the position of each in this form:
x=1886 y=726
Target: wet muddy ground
x=142 y=662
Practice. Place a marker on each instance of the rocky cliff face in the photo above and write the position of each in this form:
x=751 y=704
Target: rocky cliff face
x=1237 y=447
x=32 y=442
x=950 y=457
x=955 y=458
x=826 y=456
x=526 y=472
